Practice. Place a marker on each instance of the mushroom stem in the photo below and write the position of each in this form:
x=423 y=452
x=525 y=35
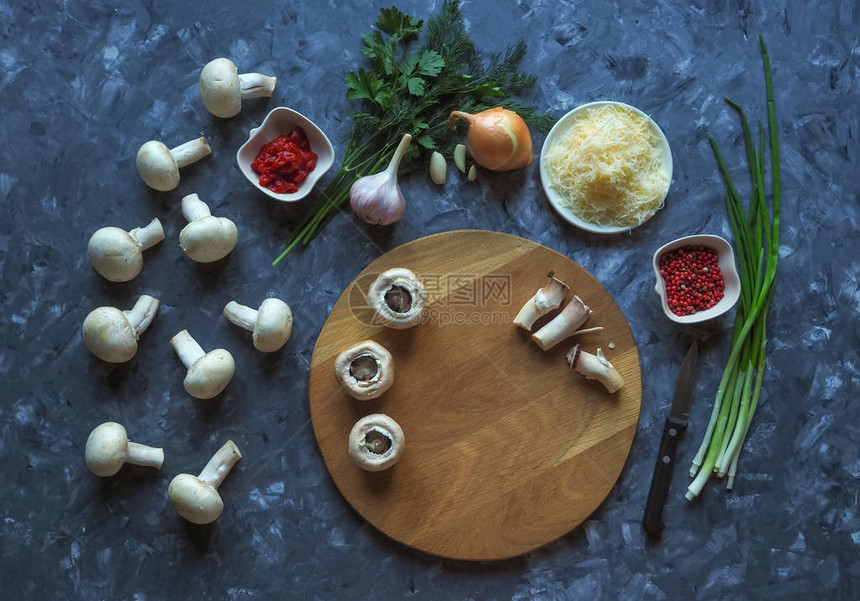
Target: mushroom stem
x=140 y=454
x=142 y=314
x=186 y=348
x=190 y=152
x=595 y=367
x=545 y=300
x=193 y=208
x=563 y=325
x=221 y=464
x=148 y=236
x=256 y=85
x=242 y=316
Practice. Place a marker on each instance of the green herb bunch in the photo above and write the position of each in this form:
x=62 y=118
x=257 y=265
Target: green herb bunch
x=412 y=91
x=756 y=236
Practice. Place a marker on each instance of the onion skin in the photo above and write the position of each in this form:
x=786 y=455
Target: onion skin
x=498 y=138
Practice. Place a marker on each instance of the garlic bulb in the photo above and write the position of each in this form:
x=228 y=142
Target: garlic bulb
x=377 y=198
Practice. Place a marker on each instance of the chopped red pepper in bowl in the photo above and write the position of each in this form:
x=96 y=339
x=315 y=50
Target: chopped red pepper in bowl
x=285 y=156
x=285 y=162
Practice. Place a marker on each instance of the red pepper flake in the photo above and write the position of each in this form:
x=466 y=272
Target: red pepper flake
x=285 y=162
x=693 y=279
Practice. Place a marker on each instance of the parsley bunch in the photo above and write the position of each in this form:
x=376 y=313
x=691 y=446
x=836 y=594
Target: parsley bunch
x=414 y=91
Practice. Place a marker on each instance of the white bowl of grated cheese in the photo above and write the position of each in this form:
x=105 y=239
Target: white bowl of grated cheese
x=606 y=167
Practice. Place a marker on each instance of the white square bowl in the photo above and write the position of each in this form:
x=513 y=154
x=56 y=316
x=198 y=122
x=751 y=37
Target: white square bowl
x=280 y=122
x=726 y=263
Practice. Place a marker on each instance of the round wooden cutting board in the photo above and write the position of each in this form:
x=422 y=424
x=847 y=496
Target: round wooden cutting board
x=506 y=447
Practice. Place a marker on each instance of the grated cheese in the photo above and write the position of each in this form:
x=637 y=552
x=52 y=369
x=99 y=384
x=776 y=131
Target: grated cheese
x=609 y=168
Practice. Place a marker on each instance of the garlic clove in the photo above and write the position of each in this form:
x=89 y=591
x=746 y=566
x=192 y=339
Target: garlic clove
x=438 y=168
x=460 y=157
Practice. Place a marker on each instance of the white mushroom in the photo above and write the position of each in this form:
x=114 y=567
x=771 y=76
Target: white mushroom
x=562 y=325
x=545 y=300
x=595 y=367
x=205 y=238
x=111 y=334
x=117 y=255
x=108 y=448
x=398 y=297
x=196 y=498
x=376 y=442
x=271 y=324
x=223 y=89
x=208 y=373
x=365 y=371
x=159 y=166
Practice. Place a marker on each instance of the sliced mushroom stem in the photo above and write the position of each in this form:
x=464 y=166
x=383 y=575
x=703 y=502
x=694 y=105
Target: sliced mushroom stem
x=191 y=152
x=221 y=464
x=563 y=325
x=193 y=208
x=256 y=85
x=149 y=235
x=242 y=316
x=142 y=314
x=595 y=367
x=186 y=348
x=545 y=300
x=140 y=454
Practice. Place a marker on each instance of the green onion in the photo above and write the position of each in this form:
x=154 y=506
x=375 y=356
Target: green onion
x=756 y=238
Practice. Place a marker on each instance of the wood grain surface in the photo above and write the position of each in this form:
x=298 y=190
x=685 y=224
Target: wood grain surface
x=506 y=447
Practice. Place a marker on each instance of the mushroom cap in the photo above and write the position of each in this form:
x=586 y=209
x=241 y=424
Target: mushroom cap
x=363 y=456
x=157 y=167
x=194 y=499
x=210 y=374
x=274 y=325
x=107 y=449
x=109 y=335
x=208 y=239
x=115 y=255
x=402 y=278
x=220 y=88
x=365 y=390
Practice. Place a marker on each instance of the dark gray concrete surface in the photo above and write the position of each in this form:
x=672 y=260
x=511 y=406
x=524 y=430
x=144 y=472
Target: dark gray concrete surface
x=83 y=84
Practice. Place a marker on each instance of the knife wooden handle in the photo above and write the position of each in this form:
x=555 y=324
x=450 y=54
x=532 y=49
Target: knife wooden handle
x=653 y=520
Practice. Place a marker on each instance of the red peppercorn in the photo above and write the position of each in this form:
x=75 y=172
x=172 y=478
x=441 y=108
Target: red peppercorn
x=693 y=279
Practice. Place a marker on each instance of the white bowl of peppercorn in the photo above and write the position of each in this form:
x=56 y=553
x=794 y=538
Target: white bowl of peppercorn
x=696 y=278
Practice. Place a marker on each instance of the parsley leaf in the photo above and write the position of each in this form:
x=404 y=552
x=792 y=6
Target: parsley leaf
x=398 y=24
x=366 y=85
x=415 y=86
x=430 y=63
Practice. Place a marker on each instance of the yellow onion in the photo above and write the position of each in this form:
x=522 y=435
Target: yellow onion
x=498 y=139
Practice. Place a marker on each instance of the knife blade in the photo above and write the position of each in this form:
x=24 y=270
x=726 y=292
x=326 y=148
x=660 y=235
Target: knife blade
x=675 y=424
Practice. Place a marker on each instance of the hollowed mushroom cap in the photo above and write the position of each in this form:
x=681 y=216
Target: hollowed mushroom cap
x=107 y=449
x=210 y=374
x=369 y=388
x=209 y=238
x=195 y=500
x=402 y=281
x=383 y=425
x=274 y=325
x=109 y=335
x=115 y=255
x=157 y=167
x=220 y=88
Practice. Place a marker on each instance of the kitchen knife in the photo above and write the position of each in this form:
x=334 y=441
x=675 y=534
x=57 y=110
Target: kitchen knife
x=675 y=425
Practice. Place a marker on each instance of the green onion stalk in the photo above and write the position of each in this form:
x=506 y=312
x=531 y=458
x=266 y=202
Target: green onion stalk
x=756 y=238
